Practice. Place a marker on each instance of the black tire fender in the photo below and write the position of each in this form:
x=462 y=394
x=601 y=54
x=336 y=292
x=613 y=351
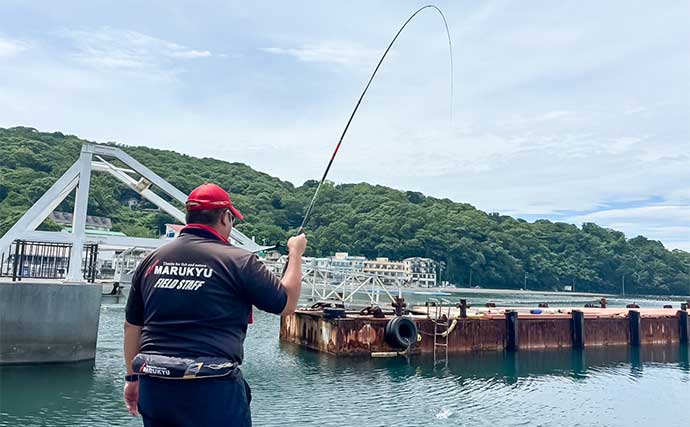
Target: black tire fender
x=401 y=332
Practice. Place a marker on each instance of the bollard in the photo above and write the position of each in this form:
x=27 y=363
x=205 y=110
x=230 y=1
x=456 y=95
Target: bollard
x=635 y=330
x=684 y=327
x=603 y=302
x=399 y=306
x=512 y=342
x=578 y=329
x=463 y=308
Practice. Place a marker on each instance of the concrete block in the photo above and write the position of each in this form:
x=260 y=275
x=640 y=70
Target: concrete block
x=48 y=322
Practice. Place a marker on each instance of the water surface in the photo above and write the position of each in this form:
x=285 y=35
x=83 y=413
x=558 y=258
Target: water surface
x=616 y=386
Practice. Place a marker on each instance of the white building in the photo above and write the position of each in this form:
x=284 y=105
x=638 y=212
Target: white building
x=342 y=263
x=394 y=273
x=422 y=271
x=172 y=231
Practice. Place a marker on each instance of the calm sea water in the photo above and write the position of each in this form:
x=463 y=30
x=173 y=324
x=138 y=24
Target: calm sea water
x=294 y=387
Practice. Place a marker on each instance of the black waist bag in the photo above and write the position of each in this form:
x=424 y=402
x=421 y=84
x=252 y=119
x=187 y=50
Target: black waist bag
x=178 y=368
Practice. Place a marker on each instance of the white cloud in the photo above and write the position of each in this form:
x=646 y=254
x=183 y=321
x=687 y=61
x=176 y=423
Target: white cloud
x=10 y=47
x=328 y=52
x=668 y=223
x=125 y=49
x=191 y=54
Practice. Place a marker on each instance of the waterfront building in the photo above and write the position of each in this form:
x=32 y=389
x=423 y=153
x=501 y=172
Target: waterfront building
x=318 y=263
x=422 y=271
x=394 y=273
x=343 y=264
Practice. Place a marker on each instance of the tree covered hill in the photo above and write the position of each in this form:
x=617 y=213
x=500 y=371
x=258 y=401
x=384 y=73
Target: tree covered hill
x=358 y=218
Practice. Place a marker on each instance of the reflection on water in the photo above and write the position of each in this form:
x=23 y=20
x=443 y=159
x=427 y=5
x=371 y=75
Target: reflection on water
x=292 y=386
x=506 y=367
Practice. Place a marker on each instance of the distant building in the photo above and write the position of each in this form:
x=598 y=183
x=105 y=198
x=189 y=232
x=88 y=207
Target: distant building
x=172 y=231
x=65 y=220
x=422 y=271
x=390 y=272
x=412 y=271
x=343 y=264
x=316 y=262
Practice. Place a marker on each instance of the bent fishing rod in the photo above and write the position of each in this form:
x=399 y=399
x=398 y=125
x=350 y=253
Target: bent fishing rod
x=359 y=101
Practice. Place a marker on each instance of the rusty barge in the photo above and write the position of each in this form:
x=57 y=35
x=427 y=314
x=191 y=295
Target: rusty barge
x=442 y=330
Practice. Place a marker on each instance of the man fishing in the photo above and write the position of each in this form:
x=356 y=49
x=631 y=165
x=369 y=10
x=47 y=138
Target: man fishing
x=187 y=316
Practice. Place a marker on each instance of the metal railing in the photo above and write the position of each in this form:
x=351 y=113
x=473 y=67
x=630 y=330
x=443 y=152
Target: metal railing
x=327 y=284
x=44 y=260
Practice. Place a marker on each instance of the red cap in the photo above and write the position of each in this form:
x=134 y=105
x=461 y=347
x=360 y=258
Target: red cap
x=210 y=196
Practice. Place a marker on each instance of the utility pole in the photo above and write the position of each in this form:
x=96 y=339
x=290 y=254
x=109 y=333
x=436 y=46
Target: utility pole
x=470 y=277
x=623 y=283
x=524 y=286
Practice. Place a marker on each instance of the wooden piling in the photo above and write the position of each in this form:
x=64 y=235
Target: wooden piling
x=578 y=329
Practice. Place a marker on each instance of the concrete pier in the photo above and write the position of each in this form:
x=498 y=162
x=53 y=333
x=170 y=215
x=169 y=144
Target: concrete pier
x=495 y=330
x=48 y=322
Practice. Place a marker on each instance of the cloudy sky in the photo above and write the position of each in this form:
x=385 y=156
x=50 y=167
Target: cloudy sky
x=568 y=110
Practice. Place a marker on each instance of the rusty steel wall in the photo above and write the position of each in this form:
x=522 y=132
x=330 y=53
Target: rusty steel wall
x=350 y=336
x=468 y=335
x=544 y=333
x=362 y=335
x=659 y=330
x=606 y=331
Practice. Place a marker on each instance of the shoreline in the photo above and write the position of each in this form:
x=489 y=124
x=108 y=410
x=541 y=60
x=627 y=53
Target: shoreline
x=493 y=291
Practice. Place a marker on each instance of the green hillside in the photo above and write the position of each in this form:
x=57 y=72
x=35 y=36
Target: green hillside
x=359 y=218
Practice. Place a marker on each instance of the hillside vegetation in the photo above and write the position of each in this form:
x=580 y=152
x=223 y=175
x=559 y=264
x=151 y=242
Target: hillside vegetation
x=359 y=218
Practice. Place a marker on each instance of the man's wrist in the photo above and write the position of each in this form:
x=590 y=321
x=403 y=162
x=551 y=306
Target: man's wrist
x=294 y=256
x=132 y=378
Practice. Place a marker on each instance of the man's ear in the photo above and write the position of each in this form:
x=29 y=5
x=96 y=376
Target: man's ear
x=224 y=221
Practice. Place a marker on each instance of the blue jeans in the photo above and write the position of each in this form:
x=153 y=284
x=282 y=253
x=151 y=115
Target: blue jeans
x=207 y=402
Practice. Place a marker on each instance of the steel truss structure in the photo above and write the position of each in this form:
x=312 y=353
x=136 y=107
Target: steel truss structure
x=326 y=284
x=78 y=177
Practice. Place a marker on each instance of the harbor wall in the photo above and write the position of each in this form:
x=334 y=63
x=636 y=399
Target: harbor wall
x=363 y=335
x=48 y=322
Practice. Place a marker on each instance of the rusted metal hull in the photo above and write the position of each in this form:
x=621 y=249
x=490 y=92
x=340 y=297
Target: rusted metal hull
x=358 y=335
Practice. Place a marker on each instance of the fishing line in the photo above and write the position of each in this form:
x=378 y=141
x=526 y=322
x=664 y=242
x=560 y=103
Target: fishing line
x=364 y=92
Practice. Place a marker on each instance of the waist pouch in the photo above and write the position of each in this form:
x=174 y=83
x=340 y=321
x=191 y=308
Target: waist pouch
x=179 y=368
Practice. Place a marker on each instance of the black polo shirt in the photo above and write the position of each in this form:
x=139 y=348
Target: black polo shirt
x=194 y=296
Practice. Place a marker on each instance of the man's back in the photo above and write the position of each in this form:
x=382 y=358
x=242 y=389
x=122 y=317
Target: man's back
x=193 y=297
x=187 y=316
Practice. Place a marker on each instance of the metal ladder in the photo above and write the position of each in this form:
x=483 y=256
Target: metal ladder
x=441 y=324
